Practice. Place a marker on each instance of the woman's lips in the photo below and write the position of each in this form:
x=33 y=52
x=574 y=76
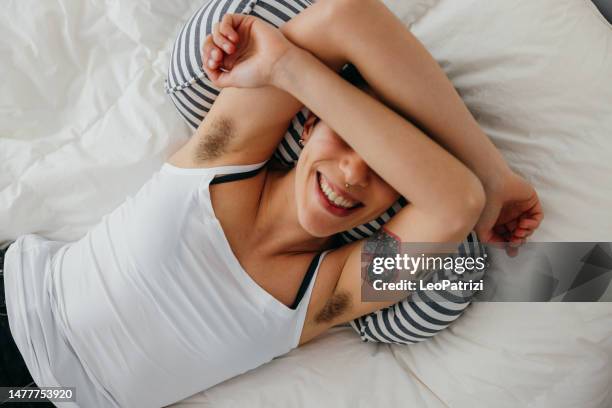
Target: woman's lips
x=329 y=205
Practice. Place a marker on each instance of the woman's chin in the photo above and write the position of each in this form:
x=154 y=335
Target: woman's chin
x=318 y=229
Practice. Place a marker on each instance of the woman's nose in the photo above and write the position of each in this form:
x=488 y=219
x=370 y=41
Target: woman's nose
x=355 y=169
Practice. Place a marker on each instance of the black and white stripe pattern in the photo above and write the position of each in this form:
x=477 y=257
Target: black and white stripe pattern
x=193 y=95
x=422 y=315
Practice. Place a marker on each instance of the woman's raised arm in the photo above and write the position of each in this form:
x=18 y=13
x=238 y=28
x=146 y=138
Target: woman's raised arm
x=246 y=125
x=446 y=198
x=406 y=77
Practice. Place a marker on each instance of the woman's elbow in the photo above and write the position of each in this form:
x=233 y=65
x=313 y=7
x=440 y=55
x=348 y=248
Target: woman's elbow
x=475 y=198
x=467 y=206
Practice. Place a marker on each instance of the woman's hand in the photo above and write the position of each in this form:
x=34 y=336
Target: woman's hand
x=243 y=51
x=512 y=212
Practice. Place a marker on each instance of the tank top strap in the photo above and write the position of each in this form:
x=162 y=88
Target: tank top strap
x=236 y=173
x=315 y=264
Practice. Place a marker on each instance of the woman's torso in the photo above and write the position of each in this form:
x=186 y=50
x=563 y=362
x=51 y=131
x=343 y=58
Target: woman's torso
x=156 y=300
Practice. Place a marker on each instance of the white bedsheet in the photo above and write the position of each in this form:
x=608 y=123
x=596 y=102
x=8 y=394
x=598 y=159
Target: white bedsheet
x=84 y=122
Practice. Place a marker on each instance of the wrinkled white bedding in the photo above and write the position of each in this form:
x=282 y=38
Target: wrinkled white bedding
x=84 y=122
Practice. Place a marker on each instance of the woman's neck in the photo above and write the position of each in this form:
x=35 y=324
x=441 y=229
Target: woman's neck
x=277 y=229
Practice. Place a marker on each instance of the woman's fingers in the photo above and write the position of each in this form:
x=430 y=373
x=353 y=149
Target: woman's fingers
x=512 y=251
x=219 y=50
x=227 y=28
x=502 y=232
x=206 y=48
x=216 y=54
x=516 y=242
x=511 y=226
x=210 y=63
x=532 y=217
x=522 y=232
x=529 y=223
x=222 y=41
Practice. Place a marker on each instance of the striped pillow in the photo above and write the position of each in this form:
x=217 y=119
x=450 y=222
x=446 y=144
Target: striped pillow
x=423 y=314
x=193 y=95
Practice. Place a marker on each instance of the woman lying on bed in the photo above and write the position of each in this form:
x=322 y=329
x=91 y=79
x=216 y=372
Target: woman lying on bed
x=222 y=261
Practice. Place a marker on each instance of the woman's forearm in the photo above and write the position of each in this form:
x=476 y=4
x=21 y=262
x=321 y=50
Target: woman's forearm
x=407 y=78
x=426 y=174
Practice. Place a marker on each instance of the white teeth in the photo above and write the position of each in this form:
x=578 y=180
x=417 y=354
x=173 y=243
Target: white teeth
x=333 y=197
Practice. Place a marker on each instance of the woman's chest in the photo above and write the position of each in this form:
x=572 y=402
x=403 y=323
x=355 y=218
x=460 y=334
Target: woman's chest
x=236 y=207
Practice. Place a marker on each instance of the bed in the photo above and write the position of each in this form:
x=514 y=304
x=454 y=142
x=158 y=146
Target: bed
x=84 y=122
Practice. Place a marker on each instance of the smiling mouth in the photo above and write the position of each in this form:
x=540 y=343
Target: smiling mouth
x=334 y=197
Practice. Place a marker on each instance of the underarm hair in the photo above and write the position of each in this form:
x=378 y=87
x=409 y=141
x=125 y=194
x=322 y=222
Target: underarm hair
x=335 y=306
x=215 y=139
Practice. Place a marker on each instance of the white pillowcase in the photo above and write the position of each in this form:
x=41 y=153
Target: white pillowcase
x=537 y=75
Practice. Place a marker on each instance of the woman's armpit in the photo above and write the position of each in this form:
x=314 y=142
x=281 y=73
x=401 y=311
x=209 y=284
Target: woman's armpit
x=215 y=137
x=335 y=306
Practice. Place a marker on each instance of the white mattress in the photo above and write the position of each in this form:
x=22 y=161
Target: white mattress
x=84 y=122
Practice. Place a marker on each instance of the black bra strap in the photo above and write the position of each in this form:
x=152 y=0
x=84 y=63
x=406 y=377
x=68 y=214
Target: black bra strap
x=236 y=176
x=306 y=281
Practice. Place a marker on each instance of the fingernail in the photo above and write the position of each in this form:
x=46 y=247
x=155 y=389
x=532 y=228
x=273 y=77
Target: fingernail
x=211 y=63
x=215 y=53
x=227 y=47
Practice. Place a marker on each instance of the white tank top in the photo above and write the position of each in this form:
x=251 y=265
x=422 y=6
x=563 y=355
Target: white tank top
x=151 y=306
